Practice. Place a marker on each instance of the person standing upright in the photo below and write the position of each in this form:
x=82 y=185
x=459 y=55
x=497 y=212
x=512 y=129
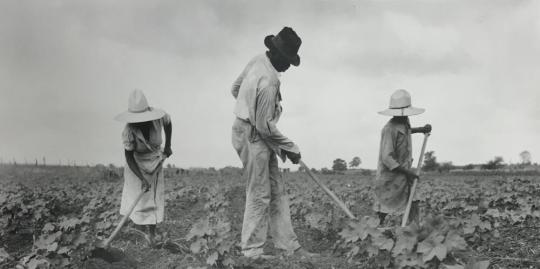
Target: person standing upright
x=258 y=142
x=394 y=174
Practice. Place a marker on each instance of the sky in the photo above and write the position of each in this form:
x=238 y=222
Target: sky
x=67 y=68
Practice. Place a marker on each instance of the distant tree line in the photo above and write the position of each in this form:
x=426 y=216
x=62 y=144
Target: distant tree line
x=431 y=164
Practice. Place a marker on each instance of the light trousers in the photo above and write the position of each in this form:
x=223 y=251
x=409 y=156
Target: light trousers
x=267 y=205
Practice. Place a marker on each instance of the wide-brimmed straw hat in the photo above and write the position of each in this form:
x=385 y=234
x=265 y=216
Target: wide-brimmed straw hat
x=400 y=105
x=139 y=110
x=286 y=42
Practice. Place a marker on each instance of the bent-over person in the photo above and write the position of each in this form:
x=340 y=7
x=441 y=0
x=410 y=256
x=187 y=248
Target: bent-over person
x=143 y=172
x=394 y=174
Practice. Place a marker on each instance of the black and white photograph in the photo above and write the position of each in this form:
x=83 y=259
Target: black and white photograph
x=301 y=134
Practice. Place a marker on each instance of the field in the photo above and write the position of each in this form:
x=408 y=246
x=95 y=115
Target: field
x=51 y=217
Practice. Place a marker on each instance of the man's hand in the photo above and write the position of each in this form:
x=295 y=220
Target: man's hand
x=145 y=186
x=294 y=157
x=411 y=176
x=167 y=151
x=426 y=129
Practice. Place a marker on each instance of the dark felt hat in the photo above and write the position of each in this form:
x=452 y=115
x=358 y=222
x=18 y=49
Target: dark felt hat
x=287 y=42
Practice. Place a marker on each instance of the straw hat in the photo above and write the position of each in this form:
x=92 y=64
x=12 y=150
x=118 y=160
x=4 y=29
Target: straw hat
x=400 y=105
x=139 y=110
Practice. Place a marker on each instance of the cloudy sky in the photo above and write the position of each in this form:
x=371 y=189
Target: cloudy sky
x=67 y=68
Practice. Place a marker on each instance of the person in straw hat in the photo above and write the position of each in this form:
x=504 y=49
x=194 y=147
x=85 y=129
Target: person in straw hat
x=258 y=142
x=394 y=174
x=142 y=138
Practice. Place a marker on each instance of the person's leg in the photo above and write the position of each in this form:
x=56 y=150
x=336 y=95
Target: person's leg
x=150 y=233
x=414 y=214
x=382 y=216
x=255 y=224
x=152 y=230
x=281 y=228
x=239 y=139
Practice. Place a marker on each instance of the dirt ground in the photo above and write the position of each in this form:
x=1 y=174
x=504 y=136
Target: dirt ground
x=183 y=212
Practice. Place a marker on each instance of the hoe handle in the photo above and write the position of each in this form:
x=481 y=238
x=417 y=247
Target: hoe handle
x=123 y=221
x=328 y=191
x=413 y=188
x=131 y=208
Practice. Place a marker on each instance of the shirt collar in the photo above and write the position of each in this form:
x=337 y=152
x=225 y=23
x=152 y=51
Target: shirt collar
x=270 y=66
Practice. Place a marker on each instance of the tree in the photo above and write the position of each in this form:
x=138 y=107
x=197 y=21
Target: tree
x=494 y=164
x=446 y=167
x=430 y=161
x=326 y=171
x=339 y=165
x=355 y=162
x=525 y=157
x=468 y=167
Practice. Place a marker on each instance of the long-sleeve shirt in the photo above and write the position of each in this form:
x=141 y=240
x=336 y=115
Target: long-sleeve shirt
x=395 y=147
x=258 y=101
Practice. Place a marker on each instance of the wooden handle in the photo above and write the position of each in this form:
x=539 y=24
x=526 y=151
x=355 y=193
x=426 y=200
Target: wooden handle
x=328 y=191
x=124 y=219
x=413 y=188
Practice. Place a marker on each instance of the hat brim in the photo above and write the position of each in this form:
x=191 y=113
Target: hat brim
x=269 y=43
x=408 y=111
x=131 y=117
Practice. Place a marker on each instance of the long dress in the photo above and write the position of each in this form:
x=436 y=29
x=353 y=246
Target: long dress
x=391 y=188
x=148 y=156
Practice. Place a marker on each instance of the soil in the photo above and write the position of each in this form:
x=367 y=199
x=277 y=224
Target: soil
x=183 y=212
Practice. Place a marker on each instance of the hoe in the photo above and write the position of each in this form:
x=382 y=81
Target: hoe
x=328 y=191
x=342 y=205
x=413 y=188
x=102 y=249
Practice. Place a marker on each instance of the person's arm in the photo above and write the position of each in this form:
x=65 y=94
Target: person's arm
x=425 y=129
x=238 y=82
x=387 y=153
x=167 y=127
x=409 y=173
x=266 y=124
x=236 y=85
x=130 y=159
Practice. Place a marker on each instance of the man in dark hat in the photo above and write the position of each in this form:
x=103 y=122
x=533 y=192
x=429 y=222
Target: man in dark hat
x=258 y=142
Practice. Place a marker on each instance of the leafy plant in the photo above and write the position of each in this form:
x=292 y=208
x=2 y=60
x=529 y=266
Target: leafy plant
x=211 y=236
x=429 y=244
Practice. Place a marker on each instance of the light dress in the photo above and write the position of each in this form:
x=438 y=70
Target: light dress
x=148 y=156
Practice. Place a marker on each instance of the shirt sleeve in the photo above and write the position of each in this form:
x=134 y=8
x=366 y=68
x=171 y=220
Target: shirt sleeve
x=128 y=138
x=236 y=85
x=266 y=122
x=387 y=149
x=238 y=82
